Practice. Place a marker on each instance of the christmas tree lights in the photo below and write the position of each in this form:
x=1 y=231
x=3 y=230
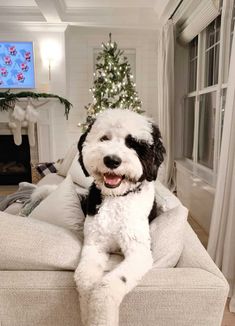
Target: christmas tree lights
x=113 y=84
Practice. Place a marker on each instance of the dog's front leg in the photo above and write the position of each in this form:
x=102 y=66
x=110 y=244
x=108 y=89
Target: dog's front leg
x=88 y=273
x=109 y=293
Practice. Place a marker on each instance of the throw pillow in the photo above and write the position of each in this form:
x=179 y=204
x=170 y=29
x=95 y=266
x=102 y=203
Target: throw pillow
x=67 y=161
x=30 y=244
x=167 y=236
x=62 y=207
x=46 y=168
x=78 y=175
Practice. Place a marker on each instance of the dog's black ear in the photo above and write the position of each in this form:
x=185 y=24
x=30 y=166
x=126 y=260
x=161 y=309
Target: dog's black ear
x=158 y=149
x=80 y=146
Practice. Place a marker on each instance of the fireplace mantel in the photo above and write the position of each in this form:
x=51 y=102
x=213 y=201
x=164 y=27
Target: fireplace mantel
x=51 y=129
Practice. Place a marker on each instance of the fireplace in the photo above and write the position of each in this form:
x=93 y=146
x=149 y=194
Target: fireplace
x=14 y=161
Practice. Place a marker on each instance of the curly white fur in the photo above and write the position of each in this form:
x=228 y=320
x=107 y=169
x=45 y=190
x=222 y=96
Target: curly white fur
x=121 y=221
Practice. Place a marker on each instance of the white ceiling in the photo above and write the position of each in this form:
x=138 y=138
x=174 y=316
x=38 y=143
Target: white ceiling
x=141 y=14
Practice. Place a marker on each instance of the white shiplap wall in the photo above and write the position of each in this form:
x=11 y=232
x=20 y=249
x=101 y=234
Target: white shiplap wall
x=79 y=45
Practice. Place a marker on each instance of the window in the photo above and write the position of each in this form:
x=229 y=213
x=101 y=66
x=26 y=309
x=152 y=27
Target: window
x=232 y=26
x=205 y=102
x=212 y=52
x=206 y=129
x=193 y=64
x=189 y=127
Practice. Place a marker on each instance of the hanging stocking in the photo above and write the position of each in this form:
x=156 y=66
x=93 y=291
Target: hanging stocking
x=31 y=116
x=16 y=118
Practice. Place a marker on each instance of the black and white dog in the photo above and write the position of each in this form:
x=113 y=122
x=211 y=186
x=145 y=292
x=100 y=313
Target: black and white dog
x=122 y=151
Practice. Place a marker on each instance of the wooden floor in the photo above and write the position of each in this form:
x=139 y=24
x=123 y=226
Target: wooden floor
x=229 y=318
x=7 y=190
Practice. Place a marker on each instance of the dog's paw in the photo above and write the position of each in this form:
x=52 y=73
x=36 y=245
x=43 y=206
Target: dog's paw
x=110 y=289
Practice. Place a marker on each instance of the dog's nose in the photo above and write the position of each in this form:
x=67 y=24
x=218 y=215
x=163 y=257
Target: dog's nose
x=112 y=161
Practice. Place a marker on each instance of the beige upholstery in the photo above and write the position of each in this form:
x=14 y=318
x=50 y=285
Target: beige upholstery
x=192 y=294
x=30 y=244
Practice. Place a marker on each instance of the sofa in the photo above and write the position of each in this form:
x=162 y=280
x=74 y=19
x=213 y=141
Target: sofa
x=37 y=262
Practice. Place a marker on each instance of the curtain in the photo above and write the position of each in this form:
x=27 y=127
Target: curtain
x=221 y=244
x=165 y=95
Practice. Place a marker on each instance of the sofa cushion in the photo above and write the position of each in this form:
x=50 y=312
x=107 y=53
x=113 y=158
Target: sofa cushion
x=62 y=207
x=167 y=236
x=67 y=161
x=51 y=179
x=78 y=175
x=30 y=244
x=165 y=199
x=14 y=208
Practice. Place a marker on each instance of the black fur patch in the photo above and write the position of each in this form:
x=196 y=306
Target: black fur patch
x=150 y=155
x=159 y=149
x=90 y=203
x=123 y=279
x=153 y=212
x=80 y=145
x=83 y=201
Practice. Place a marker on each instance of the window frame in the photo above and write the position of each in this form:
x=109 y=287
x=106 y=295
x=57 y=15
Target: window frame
x=206 y=173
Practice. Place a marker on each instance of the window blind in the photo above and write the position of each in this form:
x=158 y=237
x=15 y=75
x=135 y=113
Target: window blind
x=193 y=16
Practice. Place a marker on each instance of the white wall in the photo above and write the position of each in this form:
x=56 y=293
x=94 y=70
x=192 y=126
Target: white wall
x=80 y=42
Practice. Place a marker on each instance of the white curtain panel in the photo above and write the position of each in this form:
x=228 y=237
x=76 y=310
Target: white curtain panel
x=221 y=244
x=165 y=95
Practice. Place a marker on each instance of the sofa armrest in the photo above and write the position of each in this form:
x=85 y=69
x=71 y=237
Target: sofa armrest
x=176 y=297
x=193 y=293
x=194 y=255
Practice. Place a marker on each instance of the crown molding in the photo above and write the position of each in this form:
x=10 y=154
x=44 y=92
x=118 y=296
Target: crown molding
x=164 y=9
x=32 y=27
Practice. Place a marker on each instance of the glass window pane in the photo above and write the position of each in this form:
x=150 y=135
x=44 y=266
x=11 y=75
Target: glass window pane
x=212 y=65
x=193 y=47
x=189 y=127
x=212 y=52
x=232 y=27
x=193 y=75
x=213 y=32
x=206 y=129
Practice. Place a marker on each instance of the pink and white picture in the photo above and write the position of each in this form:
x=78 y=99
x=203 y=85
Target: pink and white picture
x=16 y=65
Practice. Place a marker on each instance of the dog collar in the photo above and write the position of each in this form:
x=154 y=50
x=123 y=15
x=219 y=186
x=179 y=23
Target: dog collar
x=137 y=189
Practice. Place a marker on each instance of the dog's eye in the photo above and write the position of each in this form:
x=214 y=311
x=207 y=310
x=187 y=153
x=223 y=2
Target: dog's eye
x=104 y=138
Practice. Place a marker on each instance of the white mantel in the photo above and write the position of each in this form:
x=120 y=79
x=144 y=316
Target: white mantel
x=51 y=130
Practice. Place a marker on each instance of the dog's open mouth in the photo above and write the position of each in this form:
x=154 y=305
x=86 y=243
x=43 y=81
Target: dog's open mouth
x=112 y=180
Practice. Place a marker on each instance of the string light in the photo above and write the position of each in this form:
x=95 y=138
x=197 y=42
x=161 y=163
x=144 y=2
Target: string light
x=113 y=86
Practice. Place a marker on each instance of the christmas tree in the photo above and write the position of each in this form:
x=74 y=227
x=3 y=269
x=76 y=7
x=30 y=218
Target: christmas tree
x=113 y=84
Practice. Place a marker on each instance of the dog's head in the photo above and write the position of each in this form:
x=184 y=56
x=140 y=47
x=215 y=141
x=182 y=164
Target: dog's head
x=119 y=150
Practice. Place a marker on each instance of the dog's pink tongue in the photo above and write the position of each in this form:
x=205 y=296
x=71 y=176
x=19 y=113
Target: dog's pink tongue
x=112 y=179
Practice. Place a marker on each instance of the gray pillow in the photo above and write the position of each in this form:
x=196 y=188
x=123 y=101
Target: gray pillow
x=30 y=244
x=62 y=207
x=167 y=236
